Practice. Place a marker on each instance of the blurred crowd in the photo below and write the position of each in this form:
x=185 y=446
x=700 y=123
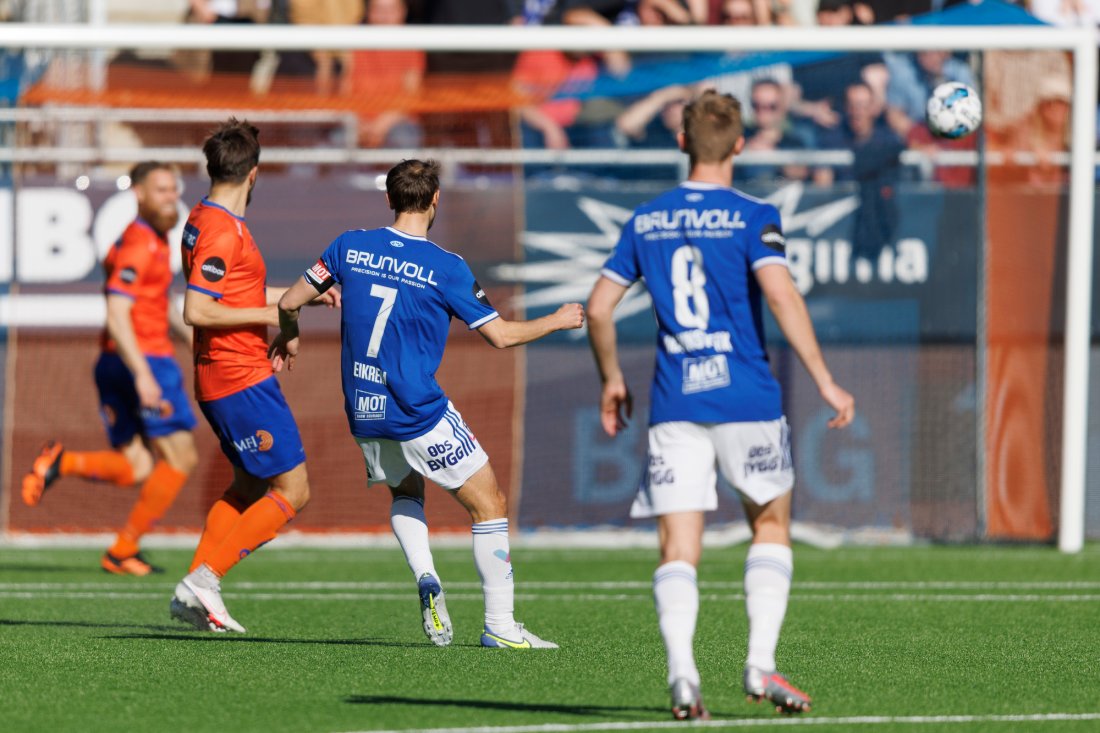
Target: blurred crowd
x=869 y=103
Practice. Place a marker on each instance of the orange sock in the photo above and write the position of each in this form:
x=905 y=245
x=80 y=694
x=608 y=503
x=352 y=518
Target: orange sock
x=157 y=494
x=219 y=521
x=259 y=524
x=104 y=465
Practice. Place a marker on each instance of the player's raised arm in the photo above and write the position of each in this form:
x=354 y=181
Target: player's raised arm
x=503 y=334
x=790 y=313
x=616 y=404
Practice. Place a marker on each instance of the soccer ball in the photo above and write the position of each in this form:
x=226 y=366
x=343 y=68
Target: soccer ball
x=953 y=110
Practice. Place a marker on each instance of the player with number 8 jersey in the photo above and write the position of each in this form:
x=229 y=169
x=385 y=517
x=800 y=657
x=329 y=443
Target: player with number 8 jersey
x=400 y=292
x=709 y=254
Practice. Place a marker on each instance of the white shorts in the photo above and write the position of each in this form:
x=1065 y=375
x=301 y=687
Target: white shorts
x=755 y=457
x=448 y=454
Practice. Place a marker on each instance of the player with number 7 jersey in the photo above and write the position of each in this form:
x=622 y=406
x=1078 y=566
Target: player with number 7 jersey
x=400 y=292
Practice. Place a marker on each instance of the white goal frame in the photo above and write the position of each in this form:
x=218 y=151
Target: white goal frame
x=1081 y=42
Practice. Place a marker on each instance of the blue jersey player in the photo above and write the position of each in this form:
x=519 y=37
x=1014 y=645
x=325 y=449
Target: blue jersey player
x=400 y=292
x=707 y=254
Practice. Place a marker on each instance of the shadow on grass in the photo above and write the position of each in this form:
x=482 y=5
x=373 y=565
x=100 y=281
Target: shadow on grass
x=522 y=707
x=9 y=567
x=185 y=634
x=83 y=624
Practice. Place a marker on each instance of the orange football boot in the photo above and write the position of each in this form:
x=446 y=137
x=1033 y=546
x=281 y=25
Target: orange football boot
x=44 y=471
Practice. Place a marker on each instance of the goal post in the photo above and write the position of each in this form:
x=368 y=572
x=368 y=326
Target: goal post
x=1079 y=43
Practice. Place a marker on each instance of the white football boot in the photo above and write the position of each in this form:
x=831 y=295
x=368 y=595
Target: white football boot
x=199 y=602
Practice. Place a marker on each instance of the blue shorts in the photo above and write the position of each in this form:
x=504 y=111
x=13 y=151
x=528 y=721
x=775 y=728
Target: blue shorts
x=256 y=429
x=121 y=409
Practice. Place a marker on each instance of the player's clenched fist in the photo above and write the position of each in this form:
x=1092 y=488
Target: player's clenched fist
x=571 y=315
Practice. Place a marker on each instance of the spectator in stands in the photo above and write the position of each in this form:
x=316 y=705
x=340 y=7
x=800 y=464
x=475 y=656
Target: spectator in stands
x=468 y=12
x=739 y=13
x=820 y=87
x=628 y=13
x=535 y=12
x=653 y=121
x=739 y=84
x=328 y=65
x=773 y=130
x=890 y=11
x=388 y=76
x=202 y=63
x=672 y=12
x=912 y=79
x=876 y=168
x=560 y=124
x=798 y=12
x=1067 y=12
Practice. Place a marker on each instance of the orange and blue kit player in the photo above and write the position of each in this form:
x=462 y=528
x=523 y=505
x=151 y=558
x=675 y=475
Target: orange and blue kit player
x=234 y=383
x=138 y=268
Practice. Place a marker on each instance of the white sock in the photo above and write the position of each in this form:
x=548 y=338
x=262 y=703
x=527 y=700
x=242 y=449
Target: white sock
x=411 y=529
x=494 y=564
x=676 y=594
x=768 y=570
x=204 y=577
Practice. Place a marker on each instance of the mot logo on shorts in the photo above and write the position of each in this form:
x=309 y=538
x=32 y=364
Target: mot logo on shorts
x=262 y=442
x=369 y=406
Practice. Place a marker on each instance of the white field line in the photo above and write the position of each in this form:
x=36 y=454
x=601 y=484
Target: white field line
x=578 y=585
x=565 y=597
x=760 y=723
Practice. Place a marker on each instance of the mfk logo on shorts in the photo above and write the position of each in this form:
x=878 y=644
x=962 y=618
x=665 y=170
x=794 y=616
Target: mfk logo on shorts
x=213 y=269
x=369 y=406
x=704 y=373
x=262 y=441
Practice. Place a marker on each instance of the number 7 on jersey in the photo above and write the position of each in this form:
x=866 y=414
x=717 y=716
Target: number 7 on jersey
x=388 y=296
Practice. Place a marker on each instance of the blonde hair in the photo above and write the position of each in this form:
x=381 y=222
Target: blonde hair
x=712 y=126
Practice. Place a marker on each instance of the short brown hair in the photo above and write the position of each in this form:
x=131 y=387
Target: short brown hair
x=141 y=171
x=712 y=126
x=232 y=150
x=411 y=184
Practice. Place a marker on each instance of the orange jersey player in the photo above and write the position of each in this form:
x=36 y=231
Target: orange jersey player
x=142 y=400
x=230 y=306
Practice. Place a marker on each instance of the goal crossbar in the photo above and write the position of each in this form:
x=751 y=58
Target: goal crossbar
x=1081 y=42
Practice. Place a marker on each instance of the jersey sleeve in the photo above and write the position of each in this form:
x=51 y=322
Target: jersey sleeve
x=466 y=299
x=325 y=272
x=131 y=264
x=766 y=243
x=622 y=266
x=214 y=253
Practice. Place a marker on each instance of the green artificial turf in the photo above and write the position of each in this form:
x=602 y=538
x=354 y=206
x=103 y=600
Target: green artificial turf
x=334 y=643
